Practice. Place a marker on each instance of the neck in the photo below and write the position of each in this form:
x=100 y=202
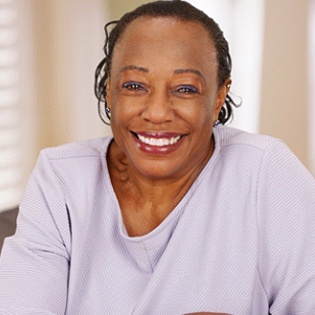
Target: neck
x=147 y=201
x=161 y=188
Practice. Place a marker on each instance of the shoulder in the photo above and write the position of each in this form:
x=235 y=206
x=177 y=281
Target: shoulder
x=268 y=158
x=241 y=149
x=83 y=149
x=232 y=137
x=72 y=164
x=258 y=150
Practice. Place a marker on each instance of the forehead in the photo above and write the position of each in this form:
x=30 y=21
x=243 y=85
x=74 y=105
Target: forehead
x=162 y=37
x=144 y=25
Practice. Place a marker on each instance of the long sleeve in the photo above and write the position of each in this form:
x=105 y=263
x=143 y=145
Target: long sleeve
x=286 y=216
x=35 y=261
x=241 y=241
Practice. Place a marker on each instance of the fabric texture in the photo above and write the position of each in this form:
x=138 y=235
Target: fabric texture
x=241 y=241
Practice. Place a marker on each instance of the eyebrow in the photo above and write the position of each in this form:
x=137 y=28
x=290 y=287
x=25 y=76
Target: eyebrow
x=132 y=67
x=180 y=71
x=177 y=71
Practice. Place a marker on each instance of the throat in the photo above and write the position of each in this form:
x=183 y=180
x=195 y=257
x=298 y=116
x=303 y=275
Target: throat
x=144 y=203
x=139 y=222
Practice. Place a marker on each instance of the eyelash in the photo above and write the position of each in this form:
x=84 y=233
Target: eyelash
x=132 y=86
x=187 y=89
x=184 y=89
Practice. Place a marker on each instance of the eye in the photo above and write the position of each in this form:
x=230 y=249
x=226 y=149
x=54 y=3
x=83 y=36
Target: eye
x=133 y=86
x=186 y=89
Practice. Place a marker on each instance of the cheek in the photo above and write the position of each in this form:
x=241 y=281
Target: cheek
x=123 y=110
x=199 y=114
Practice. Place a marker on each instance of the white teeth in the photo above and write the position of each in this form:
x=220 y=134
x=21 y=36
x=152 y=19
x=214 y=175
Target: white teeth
x=158 y=142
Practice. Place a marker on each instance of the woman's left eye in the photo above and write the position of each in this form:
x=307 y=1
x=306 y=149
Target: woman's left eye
x=187 y=89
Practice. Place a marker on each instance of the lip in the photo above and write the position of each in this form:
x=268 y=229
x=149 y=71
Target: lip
x=158 y=149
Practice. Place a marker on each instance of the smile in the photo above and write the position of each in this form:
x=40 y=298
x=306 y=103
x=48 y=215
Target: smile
x=159 y=142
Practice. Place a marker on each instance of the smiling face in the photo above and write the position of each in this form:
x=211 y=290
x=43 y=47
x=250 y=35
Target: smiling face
x=164 y=97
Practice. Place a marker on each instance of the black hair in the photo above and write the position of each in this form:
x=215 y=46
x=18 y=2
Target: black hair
x=181 y=10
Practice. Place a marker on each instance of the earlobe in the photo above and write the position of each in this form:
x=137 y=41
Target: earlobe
x=227 y=85
x=107 y=96
x=222 y=93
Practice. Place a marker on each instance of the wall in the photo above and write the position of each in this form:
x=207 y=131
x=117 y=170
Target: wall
x=285 y=89
x=61 y=44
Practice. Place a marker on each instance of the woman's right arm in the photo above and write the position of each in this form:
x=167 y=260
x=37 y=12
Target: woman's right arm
x=34 y=263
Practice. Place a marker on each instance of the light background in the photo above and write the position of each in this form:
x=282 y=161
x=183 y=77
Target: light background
x=60 y=43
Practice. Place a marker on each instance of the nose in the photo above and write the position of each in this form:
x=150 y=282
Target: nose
x=158 y=107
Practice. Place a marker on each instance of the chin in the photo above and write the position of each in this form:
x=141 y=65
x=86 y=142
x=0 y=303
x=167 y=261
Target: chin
x=158 y=169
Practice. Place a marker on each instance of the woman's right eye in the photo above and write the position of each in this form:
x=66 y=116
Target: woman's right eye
x=133 y=86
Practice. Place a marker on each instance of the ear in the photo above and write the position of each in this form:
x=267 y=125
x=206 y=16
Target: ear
x=108 y=96
x=221 y=96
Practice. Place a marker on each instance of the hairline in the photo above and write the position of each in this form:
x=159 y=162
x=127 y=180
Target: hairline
x=174 y=17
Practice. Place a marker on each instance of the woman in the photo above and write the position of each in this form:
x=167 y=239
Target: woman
x=170 y=215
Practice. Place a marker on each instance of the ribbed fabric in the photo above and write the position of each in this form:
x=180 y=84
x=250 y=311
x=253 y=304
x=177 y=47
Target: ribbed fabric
x=241 y=241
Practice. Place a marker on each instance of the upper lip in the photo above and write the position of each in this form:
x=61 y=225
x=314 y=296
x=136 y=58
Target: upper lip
x=157 y=134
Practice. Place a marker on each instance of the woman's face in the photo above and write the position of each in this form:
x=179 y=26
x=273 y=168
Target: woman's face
x=163 y=96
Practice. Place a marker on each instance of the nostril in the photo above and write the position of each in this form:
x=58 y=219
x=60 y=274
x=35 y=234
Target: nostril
x=158 y=112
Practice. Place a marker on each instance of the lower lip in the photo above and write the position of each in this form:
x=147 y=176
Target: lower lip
x=162 y=150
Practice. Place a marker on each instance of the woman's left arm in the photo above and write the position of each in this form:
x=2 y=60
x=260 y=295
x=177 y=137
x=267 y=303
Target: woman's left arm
x=286 y=222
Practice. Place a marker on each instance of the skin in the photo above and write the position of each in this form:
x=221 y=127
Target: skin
x=162 y=84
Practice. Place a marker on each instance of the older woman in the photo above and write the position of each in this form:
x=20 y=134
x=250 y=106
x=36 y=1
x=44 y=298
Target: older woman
x=170 y=215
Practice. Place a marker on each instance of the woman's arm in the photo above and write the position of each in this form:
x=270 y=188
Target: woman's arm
x=286 y=221
x=34 y=263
